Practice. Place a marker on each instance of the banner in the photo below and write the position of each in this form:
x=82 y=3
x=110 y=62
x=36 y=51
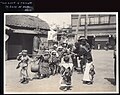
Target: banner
x=52 y=35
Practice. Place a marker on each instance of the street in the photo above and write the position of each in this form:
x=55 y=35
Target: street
x=104 y=67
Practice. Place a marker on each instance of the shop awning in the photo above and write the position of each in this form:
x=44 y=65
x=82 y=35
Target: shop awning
x=24 y=31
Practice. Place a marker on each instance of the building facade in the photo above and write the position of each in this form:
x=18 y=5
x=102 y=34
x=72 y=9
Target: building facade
x=25 y=32
x=100 y=29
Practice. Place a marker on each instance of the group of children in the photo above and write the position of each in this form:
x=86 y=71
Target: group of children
x=58 y=60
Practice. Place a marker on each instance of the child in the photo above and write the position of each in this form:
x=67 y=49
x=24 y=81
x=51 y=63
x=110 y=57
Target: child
x=74 y=60
x=23 y=58
x=66 y=72
x=44 y=68
x=54 y=63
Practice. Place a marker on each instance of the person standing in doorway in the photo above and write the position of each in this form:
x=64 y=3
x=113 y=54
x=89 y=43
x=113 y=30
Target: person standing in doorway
x=99 y=46
x=107 y=45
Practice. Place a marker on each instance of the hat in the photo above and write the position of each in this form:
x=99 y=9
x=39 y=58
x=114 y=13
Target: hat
x=20 y=53
x=65 y=44
x=60 y=47
x=55 y=45
x=24 y=51
x=53 y=53
x=46 y=51
x=82 y=38
x=35 y=50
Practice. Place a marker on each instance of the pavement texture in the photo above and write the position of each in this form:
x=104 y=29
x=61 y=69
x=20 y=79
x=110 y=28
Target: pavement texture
x=103 y=81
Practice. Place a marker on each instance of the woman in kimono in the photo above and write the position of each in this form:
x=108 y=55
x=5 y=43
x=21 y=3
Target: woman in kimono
x=85 y=52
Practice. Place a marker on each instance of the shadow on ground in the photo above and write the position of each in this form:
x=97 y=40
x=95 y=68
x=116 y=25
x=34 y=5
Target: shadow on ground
x=111 y=80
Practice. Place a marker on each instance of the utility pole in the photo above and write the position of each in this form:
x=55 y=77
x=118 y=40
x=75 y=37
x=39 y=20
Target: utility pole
x=86 y=24
x=77 y=29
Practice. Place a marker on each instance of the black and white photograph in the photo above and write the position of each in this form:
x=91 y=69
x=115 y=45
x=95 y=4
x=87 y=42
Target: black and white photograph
x=61 y=52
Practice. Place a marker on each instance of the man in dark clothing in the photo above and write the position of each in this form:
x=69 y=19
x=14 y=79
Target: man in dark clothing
x=83 y=51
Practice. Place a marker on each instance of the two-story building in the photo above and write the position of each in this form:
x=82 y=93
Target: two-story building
x=100 y=29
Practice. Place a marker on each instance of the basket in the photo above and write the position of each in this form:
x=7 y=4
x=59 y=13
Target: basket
x=35 y=67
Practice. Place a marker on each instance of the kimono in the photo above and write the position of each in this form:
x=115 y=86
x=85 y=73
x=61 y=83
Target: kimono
x=89 y=66
x=44 y=68
x=74 y=60
x=54 y=64
x=89 y=73
x=24 y=67
x=84 y=53
x=66 y=74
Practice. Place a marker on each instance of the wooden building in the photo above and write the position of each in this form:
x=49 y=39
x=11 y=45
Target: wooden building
x=25 y=32
x=101 y=29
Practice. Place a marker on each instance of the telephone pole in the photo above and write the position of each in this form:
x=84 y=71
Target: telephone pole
x=77 y=29
x=86 y=24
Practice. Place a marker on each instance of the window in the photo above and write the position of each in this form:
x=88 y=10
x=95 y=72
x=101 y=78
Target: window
x=112 y=19
x=74 y=22
x=104 y=19
x=94 y=20
x=82 y=21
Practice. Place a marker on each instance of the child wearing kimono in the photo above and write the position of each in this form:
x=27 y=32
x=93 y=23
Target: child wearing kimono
x=44 y=68
x=54 y=63
x=66 y=73
x=23 y=58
